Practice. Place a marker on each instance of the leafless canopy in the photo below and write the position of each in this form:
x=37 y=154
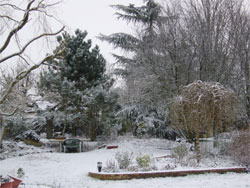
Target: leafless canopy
x=17 y=18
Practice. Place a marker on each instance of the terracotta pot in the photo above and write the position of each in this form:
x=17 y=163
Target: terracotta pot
x=16 y=181
x=7 y=185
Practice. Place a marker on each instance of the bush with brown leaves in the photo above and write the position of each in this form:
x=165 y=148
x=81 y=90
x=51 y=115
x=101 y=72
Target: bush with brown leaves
x=240 y=148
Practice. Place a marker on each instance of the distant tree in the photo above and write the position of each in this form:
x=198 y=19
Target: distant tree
x=77 y=80
x=203 y=108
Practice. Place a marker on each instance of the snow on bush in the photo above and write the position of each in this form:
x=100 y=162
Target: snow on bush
x=180 y=151
x=143 y=161
x=30 y=134
x=123 y=159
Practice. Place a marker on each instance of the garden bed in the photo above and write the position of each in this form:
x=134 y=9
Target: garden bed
x=174 y=173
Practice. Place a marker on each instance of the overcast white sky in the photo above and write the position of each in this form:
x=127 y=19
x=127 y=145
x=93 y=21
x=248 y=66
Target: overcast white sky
x=95 y=16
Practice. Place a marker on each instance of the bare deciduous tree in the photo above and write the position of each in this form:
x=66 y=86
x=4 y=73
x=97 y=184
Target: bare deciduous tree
x=17 y=18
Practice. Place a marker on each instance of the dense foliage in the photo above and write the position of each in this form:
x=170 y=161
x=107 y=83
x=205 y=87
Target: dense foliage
x=79 y=86
x=174 y=45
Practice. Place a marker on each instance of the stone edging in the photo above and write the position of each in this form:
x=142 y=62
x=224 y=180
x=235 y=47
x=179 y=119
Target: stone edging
x=139 y=175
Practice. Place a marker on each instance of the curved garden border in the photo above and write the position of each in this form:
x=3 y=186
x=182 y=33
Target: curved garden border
x=139 y=175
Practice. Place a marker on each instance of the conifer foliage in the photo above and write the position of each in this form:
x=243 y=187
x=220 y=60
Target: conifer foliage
x=77 y=80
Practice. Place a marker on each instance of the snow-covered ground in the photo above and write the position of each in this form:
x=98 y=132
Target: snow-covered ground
x=70 y=170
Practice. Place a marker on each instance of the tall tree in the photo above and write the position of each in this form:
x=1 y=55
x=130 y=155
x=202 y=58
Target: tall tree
x=137 y=64
x=146 y=16
x=76 y=78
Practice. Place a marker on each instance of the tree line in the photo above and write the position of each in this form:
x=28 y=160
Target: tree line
x=175 y=44
x=179 y=42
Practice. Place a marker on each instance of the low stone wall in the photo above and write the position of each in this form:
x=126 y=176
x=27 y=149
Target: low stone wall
x=139 y=175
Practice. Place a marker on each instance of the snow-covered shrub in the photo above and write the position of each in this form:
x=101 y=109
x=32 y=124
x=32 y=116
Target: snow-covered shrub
x=143 y=161
x=240 y=148
x=20 y=173
x=166 y=131
x=141 y=129
x=30 y=134
x=180 y=151
x=142 y=121
x=15 y=126
x=124 y=159
x=169 y=167
x=111 y=166
x=223 y=146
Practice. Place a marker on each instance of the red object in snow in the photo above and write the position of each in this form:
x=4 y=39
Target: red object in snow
x=7 y=185
x=14 y=183
x=61 y=138
x=112 y=147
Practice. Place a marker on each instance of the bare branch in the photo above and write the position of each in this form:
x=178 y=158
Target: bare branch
x=19 y=27
x=25 y=73
x=11 y=5
x=9 y=18
x=30 y=42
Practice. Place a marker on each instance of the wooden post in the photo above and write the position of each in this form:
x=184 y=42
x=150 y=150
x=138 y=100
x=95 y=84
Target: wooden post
x=49 y=127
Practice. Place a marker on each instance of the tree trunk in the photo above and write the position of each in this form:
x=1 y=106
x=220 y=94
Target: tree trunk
x=73 y=130
x=2 y=130
x=248 y=105
x=49 y=128
x=197 y=123
x=93 y=132
x=197 y=146
x=94 y=125
x=77 y=121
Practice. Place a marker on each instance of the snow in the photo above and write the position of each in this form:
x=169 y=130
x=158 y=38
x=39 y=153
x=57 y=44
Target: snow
x=32 y=93
x=70 y=170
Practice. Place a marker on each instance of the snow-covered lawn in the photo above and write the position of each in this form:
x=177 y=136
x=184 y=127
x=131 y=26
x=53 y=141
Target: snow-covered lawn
x=70 y=170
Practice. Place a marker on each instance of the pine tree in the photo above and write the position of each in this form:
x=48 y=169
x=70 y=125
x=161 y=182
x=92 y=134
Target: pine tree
x=147 y=16
x=75 y=79
x=140 y=60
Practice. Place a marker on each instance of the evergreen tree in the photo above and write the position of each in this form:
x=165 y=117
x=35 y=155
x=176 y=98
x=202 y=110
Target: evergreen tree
x=147 y=16
x=138 y=68
x=76 y=79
